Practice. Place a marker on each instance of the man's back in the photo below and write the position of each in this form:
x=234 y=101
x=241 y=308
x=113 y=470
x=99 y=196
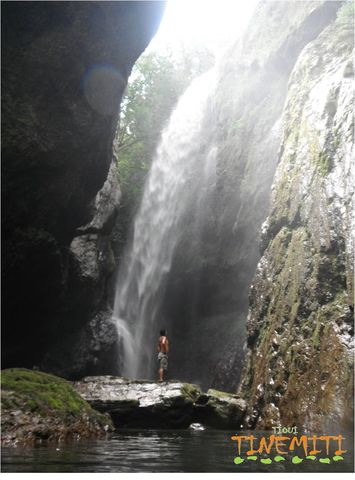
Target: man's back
x=163 y=345
x=163 y=349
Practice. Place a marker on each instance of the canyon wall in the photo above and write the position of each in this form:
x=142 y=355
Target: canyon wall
x=299 y=364
x=64 y=69
x=207 y=295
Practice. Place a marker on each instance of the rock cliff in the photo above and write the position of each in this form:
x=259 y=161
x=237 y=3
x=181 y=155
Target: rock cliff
x=299 y=366
x=207 y=291
x=65 y=66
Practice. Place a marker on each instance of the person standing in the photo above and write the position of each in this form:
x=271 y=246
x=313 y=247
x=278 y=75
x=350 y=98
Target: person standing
x=163 y=350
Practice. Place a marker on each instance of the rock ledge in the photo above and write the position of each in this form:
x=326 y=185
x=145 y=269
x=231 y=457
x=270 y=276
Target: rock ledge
x=147 y=404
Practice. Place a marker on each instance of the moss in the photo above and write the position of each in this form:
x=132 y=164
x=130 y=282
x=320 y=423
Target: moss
x=316 y=335
x=190 y=392
x=321 y=159
x=219 y=394
x=32 y=405
x=325 y=164
x=40 y=392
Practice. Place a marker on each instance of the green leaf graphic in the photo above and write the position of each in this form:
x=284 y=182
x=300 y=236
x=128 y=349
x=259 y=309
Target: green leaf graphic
x=252 y=457
x=311 y=457
x=324 y=460
x=337 y=458
x=279 y=458
x=266 y=461
x=297 y=459
x=238 y=460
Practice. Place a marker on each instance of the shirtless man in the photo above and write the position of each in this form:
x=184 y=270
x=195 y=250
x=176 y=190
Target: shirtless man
x=163 y=350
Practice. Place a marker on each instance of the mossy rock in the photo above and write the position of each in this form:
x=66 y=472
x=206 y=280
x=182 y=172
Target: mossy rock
x=190 y=392
x=219 y=394
x=34 y=401
x=40 y=392
x=225 y=408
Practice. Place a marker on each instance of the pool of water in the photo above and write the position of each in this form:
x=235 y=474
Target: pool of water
x=151 y=451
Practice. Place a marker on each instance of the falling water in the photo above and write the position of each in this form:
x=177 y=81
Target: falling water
x=181 y=171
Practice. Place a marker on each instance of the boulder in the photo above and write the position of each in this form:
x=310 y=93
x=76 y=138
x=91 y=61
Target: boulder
x=37 y=407
x=224 y=409
x=147 y=404
x=141 y=403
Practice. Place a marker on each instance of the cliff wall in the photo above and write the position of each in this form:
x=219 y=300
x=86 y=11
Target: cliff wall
x=65 y=67
x=299 y=366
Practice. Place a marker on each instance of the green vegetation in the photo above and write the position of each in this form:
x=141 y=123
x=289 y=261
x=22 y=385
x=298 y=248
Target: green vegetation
x=40 y=392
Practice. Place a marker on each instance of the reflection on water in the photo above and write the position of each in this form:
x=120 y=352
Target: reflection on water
x=152 y=451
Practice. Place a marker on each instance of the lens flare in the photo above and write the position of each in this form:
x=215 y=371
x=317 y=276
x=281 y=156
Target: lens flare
x=103 y=86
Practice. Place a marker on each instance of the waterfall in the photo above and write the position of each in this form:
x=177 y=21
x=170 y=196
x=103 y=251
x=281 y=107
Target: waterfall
x=181 y=173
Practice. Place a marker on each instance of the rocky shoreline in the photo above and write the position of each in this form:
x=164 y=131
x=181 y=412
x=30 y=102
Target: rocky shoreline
x=37 y=407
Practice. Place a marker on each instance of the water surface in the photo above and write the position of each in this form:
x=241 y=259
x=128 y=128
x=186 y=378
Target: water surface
x=150 y=451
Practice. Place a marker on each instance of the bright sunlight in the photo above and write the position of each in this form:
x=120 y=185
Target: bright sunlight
x=207 y=22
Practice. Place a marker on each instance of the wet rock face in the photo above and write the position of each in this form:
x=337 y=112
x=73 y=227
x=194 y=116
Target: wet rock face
x=65 y=66
x=300 y=324
x=206 y=300
x=133 y=403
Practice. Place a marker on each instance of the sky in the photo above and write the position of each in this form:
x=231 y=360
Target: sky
x=214 y=23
